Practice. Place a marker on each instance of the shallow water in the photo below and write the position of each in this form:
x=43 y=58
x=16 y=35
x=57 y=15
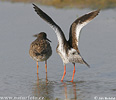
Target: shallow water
x=18 y=78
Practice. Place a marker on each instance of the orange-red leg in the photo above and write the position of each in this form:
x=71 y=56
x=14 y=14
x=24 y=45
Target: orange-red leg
x=64 y=72
x=73 y=73
x=46 y=79
x=37 y=67
x=46 y=66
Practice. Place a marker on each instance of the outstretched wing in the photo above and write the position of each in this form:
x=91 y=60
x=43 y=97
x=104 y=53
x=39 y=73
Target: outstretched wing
x=76 y=27
x=54 y=26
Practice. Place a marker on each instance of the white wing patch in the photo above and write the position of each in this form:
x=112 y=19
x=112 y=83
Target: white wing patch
x=58 y=35
x=78 y=29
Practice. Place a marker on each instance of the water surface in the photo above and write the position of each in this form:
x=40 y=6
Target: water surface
x=18 y=22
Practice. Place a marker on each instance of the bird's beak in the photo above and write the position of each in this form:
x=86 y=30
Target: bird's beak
x=48 y=40
x=35 y=35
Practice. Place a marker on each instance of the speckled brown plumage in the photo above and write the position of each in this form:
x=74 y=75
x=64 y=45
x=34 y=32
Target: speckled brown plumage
x=40 y=49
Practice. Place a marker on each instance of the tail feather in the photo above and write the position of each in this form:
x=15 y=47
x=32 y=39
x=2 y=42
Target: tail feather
x=86 y=63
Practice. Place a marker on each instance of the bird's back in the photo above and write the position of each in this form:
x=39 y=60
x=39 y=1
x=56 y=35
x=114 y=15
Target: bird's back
x=40 y=50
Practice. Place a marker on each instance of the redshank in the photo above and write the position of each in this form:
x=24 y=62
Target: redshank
x=68 y=50
x=40 y=49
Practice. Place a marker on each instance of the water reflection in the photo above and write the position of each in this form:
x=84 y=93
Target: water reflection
x=74 y=90
x=65 y=85
x=66 y=90
x=43 y=88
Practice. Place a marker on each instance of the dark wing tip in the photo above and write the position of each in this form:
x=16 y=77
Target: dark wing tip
x=34 y=5
x=97 y=11
x=87 y=17
x=92 y=14
x=43 y=15
x=37 y=9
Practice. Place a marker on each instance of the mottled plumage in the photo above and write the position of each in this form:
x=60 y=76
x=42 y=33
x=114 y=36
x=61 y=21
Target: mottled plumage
x=40 y=49
x=68 y=50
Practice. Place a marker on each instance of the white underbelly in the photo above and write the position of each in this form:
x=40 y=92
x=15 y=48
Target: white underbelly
x=63 y=55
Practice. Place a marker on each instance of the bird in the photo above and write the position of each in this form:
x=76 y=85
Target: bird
x=40 y=49
x=68 y=49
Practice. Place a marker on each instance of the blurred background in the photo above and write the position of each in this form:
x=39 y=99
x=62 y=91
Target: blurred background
x=102 y=4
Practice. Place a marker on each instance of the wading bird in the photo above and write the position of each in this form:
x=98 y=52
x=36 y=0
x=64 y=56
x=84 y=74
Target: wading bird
x=68 y=50
x=40 y=49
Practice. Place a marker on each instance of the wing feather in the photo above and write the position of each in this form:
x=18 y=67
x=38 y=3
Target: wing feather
x=76 y=27
x=54 y=26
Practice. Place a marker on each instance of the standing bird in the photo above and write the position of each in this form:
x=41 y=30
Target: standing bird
x=68 y=50
x=40 y=49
